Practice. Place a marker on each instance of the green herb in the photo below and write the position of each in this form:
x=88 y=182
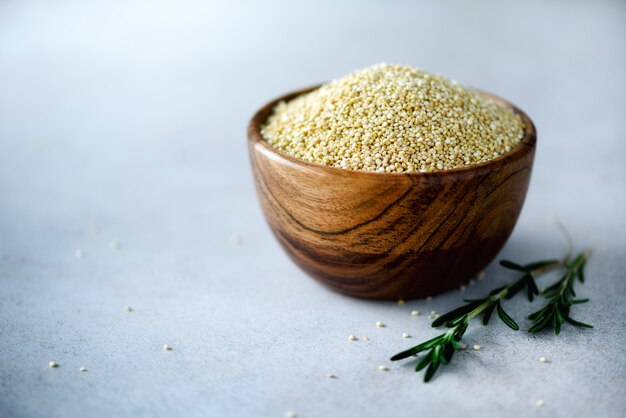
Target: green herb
x=441 y=348
x=560 y=298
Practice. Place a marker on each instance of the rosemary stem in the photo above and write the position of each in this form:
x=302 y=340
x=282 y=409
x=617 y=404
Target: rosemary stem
x=480 y=308
x=556 y=265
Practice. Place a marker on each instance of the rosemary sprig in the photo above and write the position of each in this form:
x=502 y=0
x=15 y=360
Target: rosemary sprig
x=560 y=298
x=555 y=312
x=442 y=348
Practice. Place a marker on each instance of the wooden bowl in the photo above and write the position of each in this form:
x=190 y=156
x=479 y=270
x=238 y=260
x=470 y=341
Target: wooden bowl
x=390 y=235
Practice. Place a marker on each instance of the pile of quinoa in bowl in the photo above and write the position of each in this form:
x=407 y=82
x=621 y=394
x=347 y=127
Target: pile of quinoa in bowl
x=394 y=119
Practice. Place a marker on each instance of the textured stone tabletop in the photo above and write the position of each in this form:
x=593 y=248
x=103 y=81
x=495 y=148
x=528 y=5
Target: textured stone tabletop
x=126 y=121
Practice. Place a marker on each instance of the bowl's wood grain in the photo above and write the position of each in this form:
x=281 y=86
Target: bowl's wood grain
x=389 y=236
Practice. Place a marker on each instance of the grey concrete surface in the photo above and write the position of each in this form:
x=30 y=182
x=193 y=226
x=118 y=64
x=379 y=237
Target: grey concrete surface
x=131 y=116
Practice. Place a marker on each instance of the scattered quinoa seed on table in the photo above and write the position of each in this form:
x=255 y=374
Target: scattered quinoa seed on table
x=393 y=118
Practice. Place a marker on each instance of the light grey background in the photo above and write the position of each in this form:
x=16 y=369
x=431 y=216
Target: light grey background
x=131 y=116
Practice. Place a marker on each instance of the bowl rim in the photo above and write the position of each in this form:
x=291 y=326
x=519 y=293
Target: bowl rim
x=526 y=145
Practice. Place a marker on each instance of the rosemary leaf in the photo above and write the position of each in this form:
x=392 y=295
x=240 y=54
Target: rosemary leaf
x=512 y=266
x=506 y=318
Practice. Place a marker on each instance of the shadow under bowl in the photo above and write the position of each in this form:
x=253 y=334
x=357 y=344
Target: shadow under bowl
x=390 y=235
